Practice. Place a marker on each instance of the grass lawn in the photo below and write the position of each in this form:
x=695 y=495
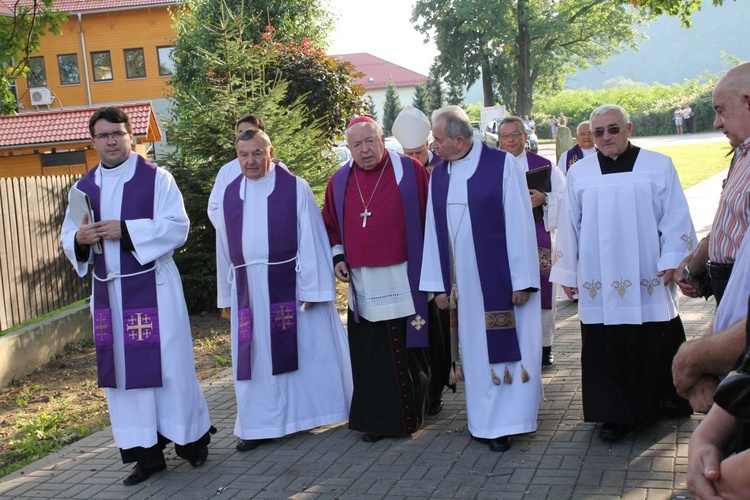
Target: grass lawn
x=697 y=162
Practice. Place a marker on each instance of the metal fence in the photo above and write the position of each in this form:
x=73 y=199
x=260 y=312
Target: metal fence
x=35 y=276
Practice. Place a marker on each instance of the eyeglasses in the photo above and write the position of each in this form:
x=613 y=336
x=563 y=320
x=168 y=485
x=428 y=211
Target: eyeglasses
x=611 y=130
x=119 y=134
x=585 y=134
x=514 y=135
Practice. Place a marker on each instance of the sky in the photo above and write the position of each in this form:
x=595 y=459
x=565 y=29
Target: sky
x=381 y=28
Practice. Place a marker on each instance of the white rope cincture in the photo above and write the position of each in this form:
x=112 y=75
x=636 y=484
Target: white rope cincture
x=232 y=267
x=113 y=276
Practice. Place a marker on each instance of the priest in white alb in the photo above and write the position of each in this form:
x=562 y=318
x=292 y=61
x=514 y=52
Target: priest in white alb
x=624 y=230
x=480 y=248
x=144 y=350
x=290 y=354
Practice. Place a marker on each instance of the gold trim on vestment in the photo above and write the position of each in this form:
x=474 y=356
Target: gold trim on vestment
x=650 y=284
x=622 y=286
x=545 y=260
x=688 y=241
x=499 y=320
x=558 y=255
x=592 y=287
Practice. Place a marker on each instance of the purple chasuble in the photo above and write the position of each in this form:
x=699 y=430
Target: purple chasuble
x=140 y=321
x=485 y=190
x=282 y=274
x=574 y=154
x=543 y=238
x=416 y=324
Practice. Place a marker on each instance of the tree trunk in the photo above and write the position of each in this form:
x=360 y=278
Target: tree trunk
x=524 y=89
x=489 y=99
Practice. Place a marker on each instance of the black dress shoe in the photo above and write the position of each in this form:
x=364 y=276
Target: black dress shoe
x=371 y=437
x=548 y=359
x=615 y=432
x=499 y=444
x=140 y=474
x=250 y=444
x=435 y=407
x=200 y=457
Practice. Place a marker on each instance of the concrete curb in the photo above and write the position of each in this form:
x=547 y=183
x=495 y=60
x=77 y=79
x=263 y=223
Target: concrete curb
x=25 y=350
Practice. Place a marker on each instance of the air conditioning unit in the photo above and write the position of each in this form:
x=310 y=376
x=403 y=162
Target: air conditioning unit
x=40 y=96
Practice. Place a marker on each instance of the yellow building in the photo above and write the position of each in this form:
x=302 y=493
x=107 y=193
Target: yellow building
x=110 y=52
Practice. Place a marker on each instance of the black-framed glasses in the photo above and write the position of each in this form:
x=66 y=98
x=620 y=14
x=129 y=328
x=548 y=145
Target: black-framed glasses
x=515 y=135
x=118 y=134
x=611 y=130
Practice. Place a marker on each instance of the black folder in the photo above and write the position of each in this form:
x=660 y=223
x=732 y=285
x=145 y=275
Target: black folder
x=539 y=179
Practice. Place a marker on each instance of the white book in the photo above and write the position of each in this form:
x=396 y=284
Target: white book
x=80 y=205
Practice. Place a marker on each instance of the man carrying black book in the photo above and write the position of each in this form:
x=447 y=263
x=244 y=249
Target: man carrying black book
x=546 y=186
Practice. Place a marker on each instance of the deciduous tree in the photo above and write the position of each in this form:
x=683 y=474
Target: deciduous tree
x=20 y=32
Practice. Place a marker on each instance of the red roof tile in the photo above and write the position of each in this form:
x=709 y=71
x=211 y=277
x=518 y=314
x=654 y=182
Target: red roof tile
x=68 y=125
x=378 y=71
x=91 y=5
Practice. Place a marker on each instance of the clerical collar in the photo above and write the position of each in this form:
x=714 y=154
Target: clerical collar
x=467 y=153
x=110 y=167
x=621 y=163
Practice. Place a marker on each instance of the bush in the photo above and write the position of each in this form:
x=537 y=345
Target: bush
x=651 y=108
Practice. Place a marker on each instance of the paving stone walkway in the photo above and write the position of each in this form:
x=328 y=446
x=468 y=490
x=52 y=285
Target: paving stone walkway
x=563 y=460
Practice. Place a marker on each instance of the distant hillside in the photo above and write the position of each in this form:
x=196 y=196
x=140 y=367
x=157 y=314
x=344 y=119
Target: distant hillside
x=673 y=54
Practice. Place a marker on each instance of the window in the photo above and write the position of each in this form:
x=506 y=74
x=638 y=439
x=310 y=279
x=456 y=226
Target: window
x=166 y=64
x=101 y=64
x=36 y=76
x=68 y=64
x=135 y=63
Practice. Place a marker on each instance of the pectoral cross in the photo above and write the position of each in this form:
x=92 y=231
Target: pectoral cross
x=364 y=216
x=139 y=326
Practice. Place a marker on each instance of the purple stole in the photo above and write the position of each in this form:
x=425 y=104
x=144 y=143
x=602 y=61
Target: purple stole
x=416 y=325
x=140 y=321
x=282 y=278
x=543 y=238
x=574 y=154
x=485 y=189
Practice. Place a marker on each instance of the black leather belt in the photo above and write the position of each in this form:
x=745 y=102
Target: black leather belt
x=718 y=271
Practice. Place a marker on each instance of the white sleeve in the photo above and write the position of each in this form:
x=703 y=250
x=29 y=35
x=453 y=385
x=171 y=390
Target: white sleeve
x=316 y=281
x=523 y=255
x=431 y=277
x=168 y=230
x=554 y=199
x=565 y=250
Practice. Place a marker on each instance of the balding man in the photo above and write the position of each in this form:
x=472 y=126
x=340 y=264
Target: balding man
x=700 y=362
x=584 y=147
x=478 y=199
x=622 y=255
x=374 y=214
